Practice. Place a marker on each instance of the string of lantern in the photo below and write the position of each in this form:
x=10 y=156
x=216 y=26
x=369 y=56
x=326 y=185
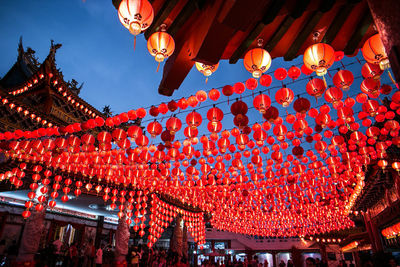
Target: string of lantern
x=247 y=184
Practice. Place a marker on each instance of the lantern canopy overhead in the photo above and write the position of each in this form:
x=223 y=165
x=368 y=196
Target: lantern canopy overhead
x=208 y=31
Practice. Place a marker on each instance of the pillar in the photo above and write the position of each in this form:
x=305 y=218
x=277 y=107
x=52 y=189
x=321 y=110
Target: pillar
x=185 y=247
x=274 y=259
x=322 y=251
x=99 y=230
x=121 y=243
x=30 y=240
x=177 y=236
x=387 y=20
x=373 y=233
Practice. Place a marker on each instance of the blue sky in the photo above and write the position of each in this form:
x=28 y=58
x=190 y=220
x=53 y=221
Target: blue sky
x=96 y=50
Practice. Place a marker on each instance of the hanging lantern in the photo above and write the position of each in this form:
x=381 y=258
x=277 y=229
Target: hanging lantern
x=284 y=96
x=154 y=128
x=135 y=15
x=280 y=74
x=370 y=70
x=374 y=52
x=343 y=79
x=319 y=57
x=316 y=87
x=205 y=69
x=193 y=119
x=294 y=72
x=262 y=103
x=215 y=115
x=333 y=95
x=161 y=45
x=371 y=87
x=301 y=105
x=257 y=60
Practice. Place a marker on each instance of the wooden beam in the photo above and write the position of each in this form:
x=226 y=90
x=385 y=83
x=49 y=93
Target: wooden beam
x=337 y=23
x=359 y=32
x=304 y=33
x=190 y=7
x=160 y=17
x=269 y=16
x=278 y=34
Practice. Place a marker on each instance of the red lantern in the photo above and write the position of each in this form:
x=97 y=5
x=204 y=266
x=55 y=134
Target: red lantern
x=374 y=52
x=215 y=115
x=284 y=96
x=280 y=74
x=316 y=87
x=257 y=61
x=271 y=114
x=214 y=94
x=370 y=70
x=301 y=105
x=265 y=80
x=161 y=45
x=371 y=87
x=294 y=72
x=343 y=79
x=135 y=15
x=239 y=107
x=333 y=95
x=319 y=57
x=193 y=119
x=173 y=125
x=154 y=128
x=262 y=102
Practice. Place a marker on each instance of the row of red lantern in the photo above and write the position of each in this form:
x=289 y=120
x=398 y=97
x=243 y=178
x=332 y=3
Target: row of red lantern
x=391 y=231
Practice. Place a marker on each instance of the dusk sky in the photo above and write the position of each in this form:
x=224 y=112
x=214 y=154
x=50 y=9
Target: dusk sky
x=98 y=51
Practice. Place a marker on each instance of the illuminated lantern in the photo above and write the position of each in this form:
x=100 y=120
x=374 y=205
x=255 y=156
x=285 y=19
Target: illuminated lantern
x=301 y=105
x=201 y=96
x=343 y=79
x=205 y=69
x=319 y=57
x=305 y=70
x=371 y=87
x=371 y=107
x=265 y=80
x=316 y=87
x=214 y=94
x=284 y=96
x=173 y=125
x=154 y=128
x=333 y=95
x=215 y=115
x=257 y=61
x=374 y=52
x=135 y=15
x=370 y=70
x=193 y=119
x=382 y=163
x=262 y=103
x=280 y=74
x=294 y=72
x=161 y=45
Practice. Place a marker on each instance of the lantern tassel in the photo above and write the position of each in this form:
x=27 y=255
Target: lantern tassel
x=158 y=66
x=392 y=79
x=206 y=80
x=134 y=43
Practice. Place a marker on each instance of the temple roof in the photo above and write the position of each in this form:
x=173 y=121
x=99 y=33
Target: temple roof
x=208 y=31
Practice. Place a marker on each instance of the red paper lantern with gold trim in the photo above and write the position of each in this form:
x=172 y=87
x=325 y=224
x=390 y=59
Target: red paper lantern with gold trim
x=343 y=79
x=316 y=87
x=135 y=15
x=284 y=96
x=319 y=57
x=374 y=52
x=257 y=61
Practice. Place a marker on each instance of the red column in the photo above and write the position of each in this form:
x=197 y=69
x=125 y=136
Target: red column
x=387 y=20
